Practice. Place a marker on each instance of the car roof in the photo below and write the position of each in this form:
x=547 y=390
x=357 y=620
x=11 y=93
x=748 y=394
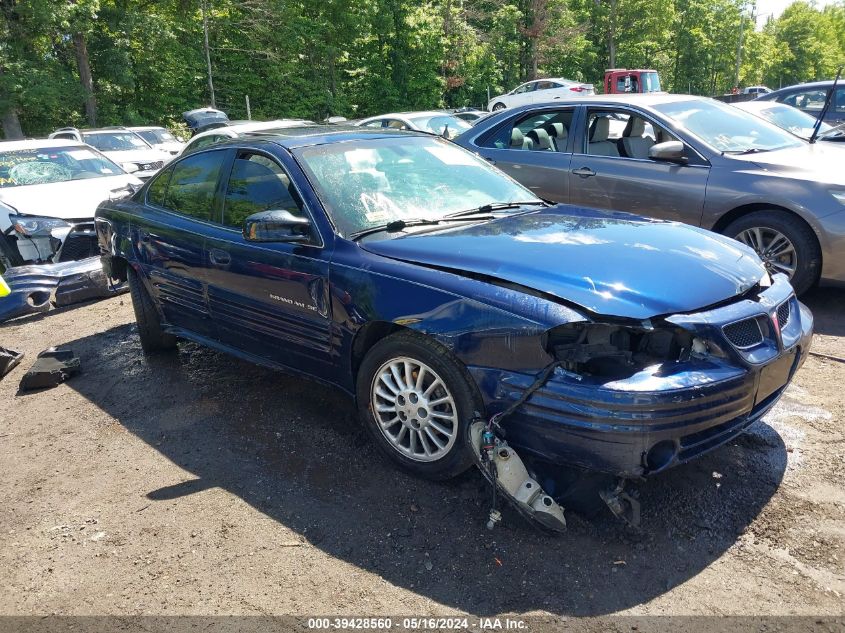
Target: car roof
x=10 y=146
x=144 y=128
x=305 y=136
x=646 y=99
x=410 y=114
x=810 y=85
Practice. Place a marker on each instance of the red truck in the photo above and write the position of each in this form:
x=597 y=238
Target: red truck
x=622 y=80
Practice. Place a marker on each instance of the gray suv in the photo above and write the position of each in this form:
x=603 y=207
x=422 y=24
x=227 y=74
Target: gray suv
x=684 y=158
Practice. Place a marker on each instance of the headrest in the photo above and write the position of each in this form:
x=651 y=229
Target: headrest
x=600 y=129
x=540 y=138
x=635 y=127
x=517 y=138
x=558 y=130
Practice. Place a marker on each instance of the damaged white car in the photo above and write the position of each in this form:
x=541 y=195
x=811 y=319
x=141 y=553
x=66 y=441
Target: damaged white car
x=49 y=190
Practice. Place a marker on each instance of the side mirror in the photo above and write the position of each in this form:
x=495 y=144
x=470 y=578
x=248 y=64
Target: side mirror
x=669 y=151
x=129 y=168
x=276 y=225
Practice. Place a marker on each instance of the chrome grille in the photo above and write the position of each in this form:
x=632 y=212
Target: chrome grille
x=784 y=310
x=150 y=166
x=744 y=334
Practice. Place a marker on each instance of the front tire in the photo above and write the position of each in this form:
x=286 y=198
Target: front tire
x=153 y=337
x=498 y=107
x=784 y=243
x=417 y=402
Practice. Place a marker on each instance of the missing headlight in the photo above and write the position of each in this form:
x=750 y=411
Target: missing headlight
x=619 y=351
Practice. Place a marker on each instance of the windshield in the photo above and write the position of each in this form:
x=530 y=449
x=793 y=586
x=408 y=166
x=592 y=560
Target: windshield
x=373 y=182
x=651 y=82
x=792 y=119
x=438 y=123
x=156 y=136
x=726 y=128
x=44 y=165
x=114 y=141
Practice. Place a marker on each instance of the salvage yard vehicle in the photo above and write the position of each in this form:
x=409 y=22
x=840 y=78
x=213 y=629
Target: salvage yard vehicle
x=686 y=158
x=159 y=138
x=231 y=129
x=443 y=123
x=810 y=98
x=121 y=145
x=793 y=120
x=49 y=190
x=442 y=295
x=540 y=90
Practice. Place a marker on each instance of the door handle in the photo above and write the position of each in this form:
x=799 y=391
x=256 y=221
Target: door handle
x=584 y=172
x=219 y=258
x=492 y=161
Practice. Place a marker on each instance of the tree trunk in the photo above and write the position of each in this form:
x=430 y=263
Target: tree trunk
x=12 y=125
x=85 y=78
x=611 y=34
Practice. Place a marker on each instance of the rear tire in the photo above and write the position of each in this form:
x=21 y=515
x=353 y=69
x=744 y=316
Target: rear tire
x=420 y=424
x=153 y=337
x=783 y=242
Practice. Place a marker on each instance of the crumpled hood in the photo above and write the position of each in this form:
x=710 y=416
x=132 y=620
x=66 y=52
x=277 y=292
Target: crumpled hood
x=76 y=199
x=820 y=162
x=613 y=264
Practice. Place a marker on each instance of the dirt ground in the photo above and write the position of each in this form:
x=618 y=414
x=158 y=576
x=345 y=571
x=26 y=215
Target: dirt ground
x=192 y=483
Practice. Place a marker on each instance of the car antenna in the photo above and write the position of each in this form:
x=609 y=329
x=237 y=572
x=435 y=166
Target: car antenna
x=825 y=107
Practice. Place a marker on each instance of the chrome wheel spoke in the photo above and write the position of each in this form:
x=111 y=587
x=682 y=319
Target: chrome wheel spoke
x=439 y=428
x=433 y=439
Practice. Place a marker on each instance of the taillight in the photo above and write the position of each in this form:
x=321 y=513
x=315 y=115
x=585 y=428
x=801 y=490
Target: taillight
x=577 y=88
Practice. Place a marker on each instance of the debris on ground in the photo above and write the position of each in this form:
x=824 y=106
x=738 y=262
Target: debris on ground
x=52 y=367
x=9 y=359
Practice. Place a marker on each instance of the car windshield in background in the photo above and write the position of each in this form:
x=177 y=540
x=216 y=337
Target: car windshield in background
x=156 y=136
x=52 y=164
x=374 y=182
x=114 y=141
x=651 y=82
x=725 y=128
x=439 y=123
x=792 y=119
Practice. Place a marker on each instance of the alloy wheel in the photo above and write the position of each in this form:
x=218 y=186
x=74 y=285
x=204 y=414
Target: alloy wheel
x=775 y=249
x=414 y=409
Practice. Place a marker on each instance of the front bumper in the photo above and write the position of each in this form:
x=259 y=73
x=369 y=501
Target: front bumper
x=662 y=416
x=39 y=287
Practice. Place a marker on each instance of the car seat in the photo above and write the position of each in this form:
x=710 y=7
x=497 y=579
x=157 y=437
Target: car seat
x=599 y=145
x=558 y=133
x=518 y=141
x=540 y=138
x=634 y=143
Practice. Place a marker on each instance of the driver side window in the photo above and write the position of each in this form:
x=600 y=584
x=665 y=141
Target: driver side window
x=258 y=183
x=524 y=88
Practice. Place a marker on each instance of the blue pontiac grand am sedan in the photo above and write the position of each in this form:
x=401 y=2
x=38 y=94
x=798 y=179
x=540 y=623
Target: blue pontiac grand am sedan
x=436 y=290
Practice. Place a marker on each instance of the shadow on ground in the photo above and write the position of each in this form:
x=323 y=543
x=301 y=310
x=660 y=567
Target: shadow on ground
x=828 y=307
x=291 y=449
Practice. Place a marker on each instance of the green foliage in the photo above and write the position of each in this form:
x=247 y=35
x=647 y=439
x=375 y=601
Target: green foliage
x=317 y=58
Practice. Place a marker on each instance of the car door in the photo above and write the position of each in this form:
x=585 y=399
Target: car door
x=522 y=95
x=269 y=299
x=181 y=203
x=611 y=169
x=512 y=148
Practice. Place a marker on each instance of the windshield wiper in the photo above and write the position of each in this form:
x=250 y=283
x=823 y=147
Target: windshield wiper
x=750 y=150
x=398 y=225
x=495 y=206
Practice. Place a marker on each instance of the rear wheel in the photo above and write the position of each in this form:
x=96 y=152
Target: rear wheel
x=417 y=401
x=784 y=243
x=153 y=337
x=498 y=106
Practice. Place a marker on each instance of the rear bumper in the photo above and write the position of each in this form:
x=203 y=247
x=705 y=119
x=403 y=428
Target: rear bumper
x=39 y=287
x=661 y=417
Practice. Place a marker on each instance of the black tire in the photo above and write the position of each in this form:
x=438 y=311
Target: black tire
x=498 y=106
x=457 y=457
x=153 y=338
x=808 y=255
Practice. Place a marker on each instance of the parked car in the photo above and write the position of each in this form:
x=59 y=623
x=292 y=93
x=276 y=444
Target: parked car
x=756 y=90
x=49 y=190
x=685 y=158
x=121 y=145
x=415 y=276
x=470 y=115
x=539 y=91
x=160 y=138
x=233 y=129
x=793 y=120
x=810 y=98
x=202 y=119
x=441 y=123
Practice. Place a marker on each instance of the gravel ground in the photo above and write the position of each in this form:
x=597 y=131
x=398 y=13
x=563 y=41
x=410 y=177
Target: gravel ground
x=192 y=483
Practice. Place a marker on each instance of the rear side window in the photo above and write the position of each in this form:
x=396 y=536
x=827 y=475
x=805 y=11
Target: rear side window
x=538 y=131
x=193 y=183
x=158 y=188
x=258 y=183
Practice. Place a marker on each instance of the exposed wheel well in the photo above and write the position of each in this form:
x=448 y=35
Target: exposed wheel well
x=734 y=214
x=115 y=267
x=366 y=337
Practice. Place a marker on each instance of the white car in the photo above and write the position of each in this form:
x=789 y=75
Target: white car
x=756 y=90
x=434 y=122
x=123 y=146
x=540 y=91
x=159 y=138
x=49 y=190
x=215 y=135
